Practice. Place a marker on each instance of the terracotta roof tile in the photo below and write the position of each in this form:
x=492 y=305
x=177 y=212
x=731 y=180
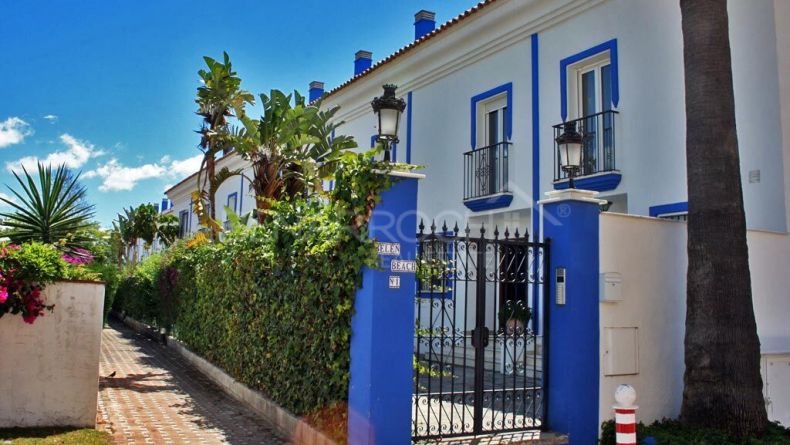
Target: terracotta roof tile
x=411 y=46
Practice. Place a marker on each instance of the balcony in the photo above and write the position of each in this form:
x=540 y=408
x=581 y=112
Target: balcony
x=486 y=178
x=598 y=171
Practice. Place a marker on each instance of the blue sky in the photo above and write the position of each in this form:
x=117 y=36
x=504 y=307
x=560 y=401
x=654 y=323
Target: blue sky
x=108 y=87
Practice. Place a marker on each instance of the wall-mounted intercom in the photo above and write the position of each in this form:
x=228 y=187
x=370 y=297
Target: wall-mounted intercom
x=560 y=285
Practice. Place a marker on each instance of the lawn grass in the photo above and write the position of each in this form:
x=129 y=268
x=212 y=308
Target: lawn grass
x=53 y=436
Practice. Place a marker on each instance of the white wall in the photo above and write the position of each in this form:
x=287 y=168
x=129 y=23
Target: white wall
x=50 y=370
x=651 y=256
x=181 y=194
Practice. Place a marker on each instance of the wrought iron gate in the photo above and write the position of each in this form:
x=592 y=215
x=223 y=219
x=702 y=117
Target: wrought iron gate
x=479 y=364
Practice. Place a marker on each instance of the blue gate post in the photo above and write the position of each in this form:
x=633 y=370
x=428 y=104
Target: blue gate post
x=571 y=220
x=382 y=338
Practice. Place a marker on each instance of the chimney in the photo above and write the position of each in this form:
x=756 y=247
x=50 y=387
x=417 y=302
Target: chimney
x=424 y=23
x=362 y=61
x=316 y=90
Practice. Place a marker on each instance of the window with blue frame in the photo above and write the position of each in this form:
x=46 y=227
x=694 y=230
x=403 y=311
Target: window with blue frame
x=183 y=223
x=589 y=93
x=232 y=201
x=435 y=266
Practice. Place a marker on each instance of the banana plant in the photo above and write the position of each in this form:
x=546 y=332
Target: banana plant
x=218 y=98
x=291 y=147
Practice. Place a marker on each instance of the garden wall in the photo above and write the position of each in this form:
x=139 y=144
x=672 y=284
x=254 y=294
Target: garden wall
x=49 y=371
x=650 y=255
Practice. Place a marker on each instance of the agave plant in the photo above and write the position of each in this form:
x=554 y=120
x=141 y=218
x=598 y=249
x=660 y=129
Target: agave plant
x=51 y=210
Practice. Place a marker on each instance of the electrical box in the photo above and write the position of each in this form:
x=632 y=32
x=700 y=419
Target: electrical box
x=611 y=287
x=560 y=285
x=621 y=351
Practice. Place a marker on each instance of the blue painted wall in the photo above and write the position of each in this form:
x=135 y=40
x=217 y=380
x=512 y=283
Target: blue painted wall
x=362 y=64
x=383 y=330
x=573 y=329
x=315 y=94
x=408 y=127
x=675 y=207
x=536 y=303
x=422 y=27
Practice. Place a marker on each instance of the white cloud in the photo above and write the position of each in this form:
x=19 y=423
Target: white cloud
x=116 y=176
x=167 y=187
x=75 y=156
x=51 y=118
x=13 y=131
x=185 y=167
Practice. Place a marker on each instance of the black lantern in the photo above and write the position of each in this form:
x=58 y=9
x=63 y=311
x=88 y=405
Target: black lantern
x=569 y=144
x=388 y=108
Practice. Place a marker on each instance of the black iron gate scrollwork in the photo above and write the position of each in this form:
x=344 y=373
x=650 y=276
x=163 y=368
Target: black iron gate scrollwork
x=479 y=364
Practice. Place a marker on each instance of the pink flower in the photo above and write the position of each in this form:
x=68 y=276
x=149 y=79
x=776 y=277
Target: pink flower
x=78 y=257
x=29 y=318
x=3 y=295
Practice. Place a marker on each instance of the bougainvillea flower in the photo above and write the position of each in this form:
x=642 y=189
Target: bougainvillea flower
x=29 y=318
x=3 y=295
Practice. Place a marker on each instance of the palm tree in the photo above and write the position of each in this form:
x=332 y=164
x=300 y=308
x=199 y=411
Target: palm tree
x=52 y=210
x=219 y=98
x=722 y=383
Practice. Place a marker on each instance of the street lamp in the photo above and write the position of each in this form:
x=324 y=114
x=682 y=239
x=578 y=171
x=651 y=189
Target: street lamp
x=388 y=108
x=569 y=144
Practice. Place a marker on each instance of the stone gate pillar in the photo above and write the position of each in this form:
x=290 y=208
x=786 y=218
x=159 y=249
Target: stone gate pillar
x=382 y=338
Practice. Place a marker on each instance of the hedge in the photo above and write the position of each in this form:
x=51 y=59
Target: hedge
x=271 y=304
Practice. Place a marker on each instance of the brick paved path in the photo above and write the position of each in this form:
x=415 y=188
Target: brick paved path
x=157 y=398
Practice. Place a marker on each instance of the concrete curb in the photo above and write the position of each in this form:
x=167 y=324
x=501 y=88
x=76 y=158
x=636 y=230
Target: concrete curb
x=283 y=423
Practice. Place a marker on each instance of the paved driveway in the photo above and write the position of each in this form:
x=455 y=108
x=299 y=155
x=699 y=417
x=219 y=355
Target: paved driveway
x=157 y=398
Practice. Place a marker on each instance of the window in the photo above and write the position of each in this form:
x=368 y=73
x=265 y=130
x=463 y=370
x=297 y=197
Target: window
x=183 y=223
x=592 y=94
x=589 y=94
x=232 y=198
x=486 y=165
x=491 y=119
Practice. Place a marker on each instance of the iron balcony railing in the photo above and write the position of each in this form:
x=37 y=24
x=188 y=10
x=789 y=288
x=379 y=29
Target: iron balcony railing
x=485 y=171
x=598 y=148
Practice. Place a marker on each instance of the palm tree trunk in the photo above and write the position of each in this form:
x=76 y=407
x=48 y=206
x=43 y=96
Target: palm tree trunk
x=722 y=382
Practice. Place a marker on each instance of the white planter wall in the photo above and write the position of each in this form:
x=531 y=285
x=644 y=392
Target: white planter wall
x=49 y=371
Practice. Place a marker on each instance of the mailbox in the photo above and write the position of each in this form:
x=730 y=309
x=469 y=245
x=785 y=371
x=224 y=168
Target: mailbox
x=611 y=287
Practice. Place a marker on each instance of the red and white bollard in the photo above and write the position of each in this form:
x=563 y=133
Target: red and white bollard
x=625 y=415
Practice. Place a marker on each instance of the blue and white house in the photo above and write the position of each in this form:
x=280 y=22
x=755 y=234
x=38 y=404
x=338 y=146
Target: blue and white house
x=487 y=93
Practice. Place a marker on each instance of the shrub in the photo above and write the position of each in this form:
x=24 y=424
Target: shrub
x=272 y=304
x=24 y=271
x=137 y=293
x=672 y=432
